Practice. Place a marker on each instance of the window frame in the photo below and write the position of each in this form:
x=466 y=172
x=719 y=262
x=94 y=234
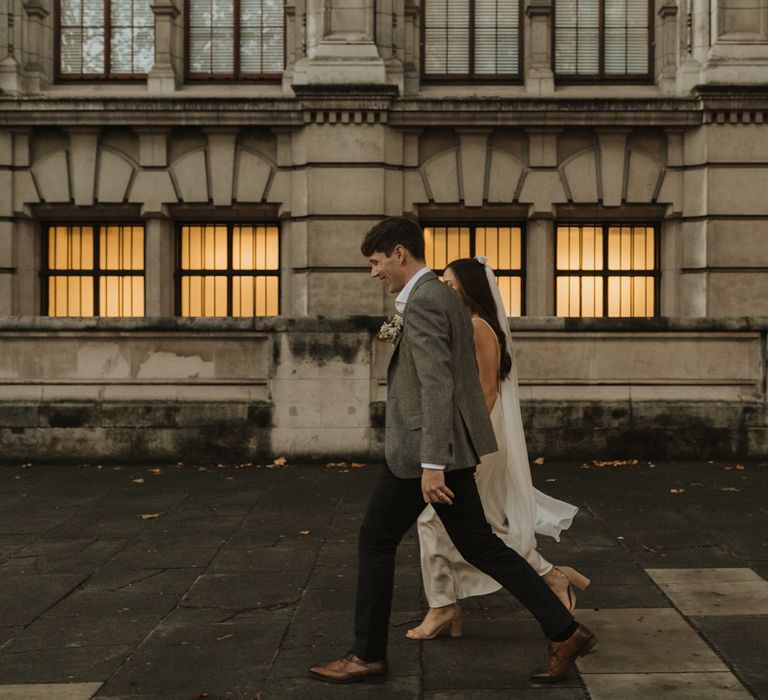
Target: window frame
x=482 y=79
x=236 y=76
x=107 y=75
x=522 y=273
x=605 y=273
x=229 y=273
x=601 y=77
x=96 y=273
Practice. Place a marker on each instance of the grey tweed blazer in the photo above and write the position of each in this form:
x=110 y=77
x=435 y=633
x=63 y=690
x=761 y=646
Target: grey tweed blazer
x=435 y=407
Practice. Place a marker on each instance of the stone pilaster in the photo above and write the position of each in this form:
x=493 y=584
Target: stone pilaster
x=539 y=78
x=164 y=76
x=340 y=45
x=667 y=74
x=540 y=261
x=739 y=50
x=36 y=29
x=11 y=72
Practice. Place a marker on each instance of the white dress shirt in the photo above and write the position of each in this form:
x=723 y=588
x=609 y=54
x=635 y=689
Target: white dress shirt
x=400 y=302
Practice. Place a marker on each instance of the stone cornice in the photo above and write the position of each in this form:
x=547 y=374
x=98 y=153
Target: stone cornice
x=726 y=105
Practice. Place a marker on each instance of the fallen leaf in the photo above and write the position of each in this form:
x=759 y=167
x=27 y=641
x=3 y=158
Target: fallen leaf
x=149 y=516
x=303 y=532
x=336 y=465
x=280 y=462
x=229 y=478
x=729 y=488
x=202 y=469
x=137 y=481
x=244 y=465
x=199 y=696
x=26 y=466
x=614 y=462
x=737 y=467
x=551 y=481
x=156 y=472
x=538 y=460
x=179 y=465
x=677 y=490
x=226 y=636
x=695 y=483
x=358 y=465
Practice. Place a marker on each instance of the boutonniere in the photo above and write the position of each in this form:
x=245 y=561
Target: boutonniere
x=391 y=329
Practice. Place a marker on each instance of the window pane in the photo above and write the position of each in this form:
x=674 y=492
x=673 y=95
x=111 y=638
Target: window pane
x=93 y=51
x=446 y=33
x=70 y=296
x=510 y=289
x=121 y=248
x=71 y=13
x=211 y=36
x=496 y=36
x=121 y=296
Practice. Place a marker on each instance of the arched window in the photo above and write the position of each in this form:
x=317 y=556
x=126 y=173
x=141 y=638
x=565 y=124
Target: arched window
x=233 y=39
x=471 y=39
x=603 y=40
x=104 y=39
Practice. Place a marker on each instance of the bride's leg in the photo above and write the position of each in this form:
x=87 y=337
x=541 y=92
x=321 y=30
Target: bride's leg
x=438 y=578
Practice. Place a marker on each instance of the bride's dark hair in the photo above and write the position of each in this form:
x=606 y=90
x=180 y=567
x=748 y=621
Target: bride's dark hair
x=477 y=295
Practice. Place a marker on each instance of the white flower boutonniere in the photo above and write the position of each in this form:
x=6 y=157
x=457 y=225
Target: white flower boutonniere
x=391 y=329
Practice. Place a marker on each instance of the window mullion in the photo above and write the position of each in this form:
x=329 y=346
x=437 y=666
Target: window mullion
x=236 y=40
x=601 y=40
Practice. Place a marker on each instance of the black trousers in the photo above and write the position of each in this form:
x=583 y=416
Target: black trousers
x=394 y=507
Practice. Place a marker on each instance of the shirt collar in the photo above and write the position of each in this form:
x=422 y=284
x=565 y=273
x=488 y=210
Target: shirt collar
x=405 y=292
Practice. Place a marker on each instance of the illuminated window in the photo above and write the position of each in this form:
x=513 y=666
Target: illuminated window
x=229 y=270
x=502 y=245
x=105 y=39
x=235 y=38
x=94 y=270
x=466 y=39
x=603 y=39
x=607 y=270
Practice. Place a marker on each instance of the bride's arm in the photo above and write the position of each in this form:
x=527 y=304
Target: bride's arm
x=487 y=354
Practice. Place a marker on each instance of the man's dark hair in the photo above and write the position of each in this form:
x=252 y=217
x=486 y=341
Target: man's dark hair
x=396 y=230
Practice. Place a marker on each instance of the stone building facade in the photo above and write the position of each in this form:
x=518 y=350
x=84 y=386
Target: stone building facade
x=184 y=187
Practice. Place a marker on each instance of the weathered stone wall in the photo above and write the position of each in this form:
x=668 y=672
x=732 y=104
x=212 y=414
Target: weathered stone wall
x=314 y=388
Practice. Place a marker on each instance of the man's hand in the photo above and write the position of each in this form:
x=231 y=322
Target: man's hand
x=433 y=487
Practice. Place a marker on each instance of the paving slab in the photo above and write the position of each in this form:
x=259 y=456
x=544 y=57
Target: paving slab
x=680 y=686
x=49 y=691
x=399 y=687
x=62 y=665
x=62 y=556
x=53 y=632
x=734 y=591
x=23 y=597
x=241 y=591
x=645 y=640
x=548 y=693
x=740 y=640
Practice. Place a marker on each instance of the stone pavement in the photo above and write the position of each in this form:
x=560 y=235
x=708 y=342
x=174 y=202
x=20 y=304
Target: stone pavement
x=179 y=583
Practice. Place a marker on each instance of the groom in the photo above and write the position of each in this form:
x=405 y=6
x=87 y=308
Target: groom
x=437 y=429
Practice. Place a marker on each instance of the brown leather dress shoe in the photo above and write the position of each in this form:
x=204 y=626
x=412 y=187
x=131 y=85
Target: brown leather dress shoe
x=351 y=669
x=562 y=654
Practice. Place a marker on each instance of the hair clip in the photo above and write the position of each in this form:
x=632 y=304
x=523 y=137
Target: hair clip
x=481 y=259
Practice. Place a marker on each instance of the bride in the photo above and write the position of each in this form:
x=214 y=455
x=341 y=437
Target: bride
x=514 y=508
